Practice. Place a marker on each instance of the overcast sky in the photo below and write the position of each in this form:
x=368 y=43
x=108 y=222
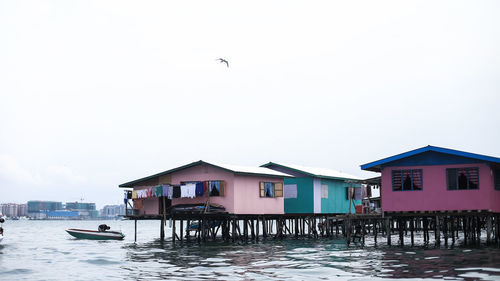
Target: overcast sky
x=98 y=93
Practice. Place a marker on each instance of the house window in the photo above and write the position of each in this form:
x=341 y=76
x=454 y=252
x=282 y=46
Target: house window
x=324 y=191
x=406 y=180
x=271 y=189
x=462 y=178
x=216 y=188
x=496 y=174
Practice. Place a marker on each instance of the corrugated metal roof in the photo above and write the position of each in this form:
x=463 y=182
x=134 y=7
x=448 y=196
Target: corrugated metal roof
x=241 y=170
x=316 y=172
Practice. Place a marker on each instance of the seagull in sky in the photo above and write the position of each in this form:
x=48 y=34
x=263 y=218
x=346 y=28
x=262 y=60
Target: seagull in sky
x=221 y=60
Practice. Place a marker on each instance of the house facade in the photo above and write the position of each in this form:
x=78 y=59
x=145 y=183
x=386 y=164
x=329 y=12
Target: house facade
x=240 y=190
x=317 y=190
x=438 y=179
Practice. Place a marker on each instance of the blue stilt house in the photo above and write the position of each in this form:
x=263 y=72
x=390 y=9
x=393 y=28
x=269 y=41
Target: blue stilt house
x=317 y=190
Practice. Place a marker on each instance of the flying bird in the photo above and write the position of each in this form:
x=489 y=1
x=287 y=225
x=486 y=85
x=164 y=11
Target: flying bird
x=221 y=60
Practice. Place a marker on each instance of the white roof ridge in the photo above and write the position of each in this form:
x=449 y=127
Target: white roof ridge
x=320 y=172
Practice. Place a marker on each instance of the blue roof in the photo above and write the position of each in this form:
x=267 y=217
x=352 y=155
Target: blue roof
x=377 y=165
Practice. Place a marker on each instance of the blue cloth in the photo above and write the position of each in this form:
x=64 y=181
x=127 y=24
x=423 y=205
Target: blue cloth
x=269 y=189
x=214 y=188
x=199 y=189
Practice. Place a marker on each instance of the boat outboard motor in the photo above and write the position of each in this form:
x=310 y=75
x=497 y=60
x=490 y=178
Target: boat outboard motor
x=103 y=227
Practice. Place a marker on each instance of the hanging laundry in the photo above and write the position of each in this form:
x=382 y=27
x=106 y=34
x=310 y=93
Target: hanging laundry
x=134 y=194
x=176 y=191
x=191 y=190
x=159 y=191
x=358 y=193
x=170 y=192
x=164 y=190
x=148 y=192
x=206 y=184
x=184 y=191
x=199 y=189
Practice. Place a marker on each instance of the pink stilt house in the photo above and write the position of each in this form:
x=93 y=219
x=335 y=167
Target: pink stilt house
x=236 y=189
x=438 y=179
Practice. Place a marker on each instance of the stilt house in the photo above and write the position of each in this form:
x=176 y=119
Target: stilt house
x=317 y=190
x=438 y=179
x=236 y=189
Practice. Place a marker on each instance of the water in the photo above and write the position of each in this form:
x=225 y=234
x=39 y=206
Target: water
x=42 y=250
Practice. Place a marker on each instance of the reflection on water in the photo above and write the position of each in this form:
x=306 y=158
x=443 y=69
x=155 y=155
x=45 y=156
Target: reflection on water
x=54 y=255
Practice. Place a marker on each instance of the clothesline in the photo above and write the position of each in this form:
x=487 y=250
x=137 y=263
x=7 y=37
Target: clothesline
x=187 y=190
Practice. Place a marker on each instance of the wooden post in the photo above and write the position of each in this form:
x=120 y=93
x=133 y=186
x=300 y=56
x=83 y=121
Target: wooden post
x=436 y=231
x=452 y=230
x=234 y=229
x=296 y=227
x=363 y=222
x=348 y=231
x=401 y=232
x=253 y=228
x=445 y=231
x=162 y=229
x=173 y=230
x=412 y=229
x=464 y=229
x=135 y=230
x=488 y=229
x=257 y=230
x=388 y=231
x=182 y=230
x=375 y=231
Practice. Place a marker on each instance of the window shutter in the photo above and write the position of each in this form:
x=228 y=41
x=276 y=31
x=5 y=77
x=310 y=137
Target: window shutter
x=278 y=189
x=222 y=188
x=262 y=191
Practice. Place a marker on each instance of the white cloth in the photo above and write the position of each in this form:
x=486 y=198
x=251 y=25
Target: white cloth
x=184 y=191
x=191 y=190
x=290 y=191
x=170 y=192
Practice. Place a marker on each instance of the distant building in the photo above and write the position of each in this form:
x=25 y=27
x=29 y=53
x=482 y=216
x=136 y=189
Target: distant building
x=62 y=215
x=34 y=207
x=80 y=206
x=10 y=210
x=22 y=210
x=112 y=211
x=85 y=210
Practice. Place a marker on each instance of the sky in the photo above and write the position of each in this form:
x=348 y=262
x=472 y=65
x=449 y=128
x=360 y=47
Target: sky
x=98 y=93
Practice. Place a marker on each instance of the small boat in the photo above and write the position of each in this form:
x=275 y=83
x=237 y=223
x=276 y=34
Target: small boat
x=101 y=234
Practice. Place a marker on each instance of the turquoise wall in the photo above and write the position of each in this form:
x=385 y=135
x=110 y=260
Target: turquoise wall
x=304 y=203
x=336 y=201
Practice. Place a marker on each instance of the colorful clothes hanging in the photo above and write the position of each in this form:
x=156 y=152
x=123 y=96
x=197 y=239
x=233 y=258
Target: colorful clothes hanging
x=176 y=192
x=199 y=189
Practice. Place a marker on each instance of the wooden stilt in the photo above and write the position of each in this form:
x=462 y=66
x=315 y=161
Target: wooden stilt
x=182 y=230
x=162 y=229
x=412 y=229
x=388 y=231
x=437 y=235
x=135 y=230
x=173 y=230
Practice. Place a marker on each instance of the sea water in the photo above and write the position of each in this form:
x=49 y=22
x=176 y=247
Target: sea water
x=42 y=250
